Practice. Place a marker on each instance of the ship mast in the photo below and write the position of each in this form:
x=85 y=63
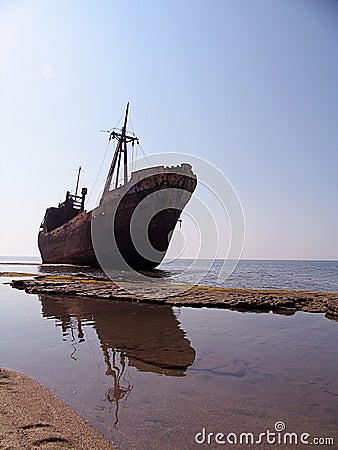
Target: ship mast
x=77 y=182
x=123 y=138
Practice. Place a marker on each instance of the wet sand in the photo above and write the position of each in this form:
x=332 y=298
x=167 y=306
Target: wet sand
x=33 y=417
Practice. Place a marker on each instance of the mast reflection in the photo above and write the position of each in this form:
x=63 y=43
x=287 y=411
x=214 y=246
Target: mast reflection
x=147 y=337
x=121 y=387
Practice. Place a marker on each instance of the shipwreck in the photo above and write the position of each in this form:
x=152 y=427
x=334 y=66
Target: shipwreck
x=133 y=223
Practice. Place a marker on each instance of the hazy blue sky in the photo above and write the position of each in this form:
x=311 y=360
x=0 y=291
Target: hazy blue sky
x=251 y=86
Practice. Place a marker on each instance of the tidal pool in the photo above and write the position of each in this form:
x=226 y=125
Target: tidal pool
x=154 y=377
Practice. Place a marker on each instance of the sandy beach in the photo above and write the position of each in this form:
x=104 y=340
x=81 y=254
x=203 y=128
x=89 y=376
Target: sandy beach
x=33 y=417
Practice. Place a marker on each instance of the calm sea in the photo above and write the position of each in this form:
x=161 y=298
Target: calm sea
x=261 y=274
x=155 y=377
x=252 y=274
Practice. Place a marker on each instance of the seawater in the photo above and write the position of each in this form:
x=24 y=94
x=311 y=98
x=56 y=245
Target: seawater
x=259 y=274
x=150 y=376
x=313 y=275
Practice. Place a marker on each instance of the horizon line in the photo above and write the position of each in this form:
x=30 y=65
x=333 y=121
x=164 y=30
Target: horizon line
x=204 y=259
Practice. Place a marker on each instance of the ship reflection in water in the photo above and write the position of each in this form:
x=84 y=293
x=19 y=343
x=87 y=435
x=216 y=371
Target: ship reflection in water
x=144 y=336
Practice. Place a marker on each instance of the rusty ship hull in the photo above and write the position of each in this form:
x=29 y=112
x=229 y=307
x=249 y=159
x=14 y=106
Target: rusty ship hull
x=86 y=239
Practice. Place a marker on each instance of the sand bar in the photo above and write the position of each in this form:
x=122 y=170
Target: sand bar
x=277 y=301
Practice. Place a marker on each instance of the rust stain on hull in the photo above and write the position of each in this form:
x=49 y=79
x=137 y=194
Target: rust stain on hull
x=71 y=243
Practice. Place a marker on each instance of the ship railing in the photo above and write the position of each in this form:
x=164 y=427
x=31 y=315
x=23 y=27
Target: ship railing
x=77 y=201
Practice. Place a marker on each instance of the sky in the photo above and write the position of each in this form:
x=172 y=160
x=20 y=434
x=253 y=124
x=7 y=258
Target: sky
x=249 y=86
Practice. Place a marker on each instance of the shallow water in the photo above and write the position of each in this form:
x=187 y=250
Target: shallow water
x=154 y=376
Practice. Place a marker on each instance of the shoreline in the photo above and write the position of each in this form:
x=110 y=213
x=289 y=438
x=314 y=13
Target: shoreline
x=31 y=416
x=85 y=289
x=256 y=300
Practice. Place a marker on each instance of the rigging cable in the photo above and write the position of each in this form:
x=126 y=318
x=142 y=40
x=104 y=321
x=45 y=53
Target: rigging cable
x=133 y=148
x=99 y=172
x=144 y=154
x=131 y=123
x=139 y=145
x=103 y=159
x=118 y=123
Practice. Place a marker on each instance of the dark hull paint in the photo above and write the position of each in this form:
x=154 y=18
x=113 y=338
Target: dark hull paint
x=72 y=242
